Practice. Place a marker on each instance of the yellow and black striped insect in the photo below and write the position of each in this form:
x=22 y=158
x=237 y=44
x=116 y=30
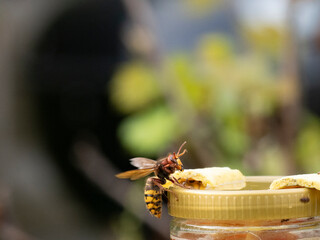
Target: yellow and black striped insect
x=162 y=169
x=153 y=197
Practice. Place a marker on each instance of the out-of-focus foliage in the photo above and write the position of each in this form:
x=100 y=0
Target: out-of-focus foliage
x=149 y=132
x=308 y=144
x=232 y=94
x=267 y=39
x=126 y=226
x=201 y=7
x=133 y=87
x=271 y=158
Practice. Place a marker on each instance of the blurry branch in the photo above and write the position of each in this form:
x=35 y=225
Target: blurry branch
x=8 y=230
x=11 y=232
x=291 y=108
x=101 y=172
x=144 y=32
x=141 y=39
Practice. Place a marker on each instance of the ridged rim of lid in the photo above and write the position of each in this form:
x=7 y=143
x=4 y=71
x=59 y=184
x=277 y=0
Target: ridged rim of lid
x=261 y=204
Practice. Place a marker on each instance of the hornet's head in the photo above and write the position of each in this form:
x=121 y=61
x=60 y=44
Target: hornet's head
x=176 y=158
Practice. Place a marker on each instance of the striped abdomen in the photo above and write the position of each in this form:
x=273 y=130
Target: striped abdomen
x=153 y=197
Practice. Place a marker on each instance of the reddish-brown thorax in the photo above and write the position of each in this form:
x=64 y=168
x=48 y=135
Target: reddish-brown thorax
x=167 y=166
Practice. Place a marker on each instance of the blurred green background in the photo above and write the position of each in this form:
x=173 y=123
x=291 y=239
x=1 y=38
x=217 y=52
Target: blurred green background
x=87 y=85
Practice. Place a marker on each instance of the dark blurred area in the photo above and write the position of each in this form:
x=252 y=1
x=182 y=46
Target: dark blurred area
x=87 y=85
x=73 y=61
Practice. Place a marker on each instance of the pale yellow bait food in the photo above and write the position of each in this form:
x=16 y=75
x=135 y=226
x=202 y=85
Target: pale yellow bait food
x=219 y=178
x=302 y=180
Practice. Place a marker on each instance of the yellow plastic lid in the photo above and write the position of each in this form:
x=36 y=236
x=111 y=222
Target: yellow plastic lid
x=255 y=202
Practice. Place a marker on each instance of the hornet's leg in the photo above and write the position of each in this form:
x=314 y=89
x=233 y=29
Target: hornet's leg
x=158 y=182
x=176 y=182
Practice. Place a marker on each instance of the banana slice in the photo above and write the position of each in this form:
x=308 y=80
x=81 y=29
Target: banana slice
x=302 y=180
x=218 y=178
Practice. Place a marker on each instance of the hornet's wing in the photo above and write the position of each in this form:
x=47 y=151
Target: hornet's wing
x=135 y=174
x=143 y=163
